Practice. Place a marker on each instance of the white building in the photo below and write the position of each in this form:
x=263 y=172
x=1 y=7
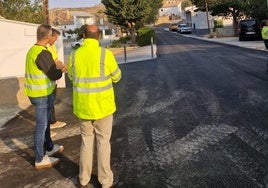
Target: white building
x=171 y=10
x=198 y=20
x=79 y=18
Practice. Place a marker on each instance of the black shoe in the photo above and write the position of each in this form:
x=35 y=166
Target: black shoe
x=115 y=182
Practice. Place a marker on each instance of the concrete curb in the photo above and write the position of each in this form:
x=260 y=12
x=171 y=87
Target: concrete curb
x=137 y=54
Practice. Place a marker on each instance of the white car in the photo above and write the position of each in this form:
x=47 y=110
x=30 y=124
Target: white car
x=183 y=28
x=77 y=44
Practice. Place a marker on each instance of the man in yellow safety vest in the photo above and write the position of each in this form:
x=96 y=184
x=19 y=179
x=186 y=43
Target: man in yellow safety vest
x=53 y=50
x=40 y=75
x=93 y=70
x=264 y=34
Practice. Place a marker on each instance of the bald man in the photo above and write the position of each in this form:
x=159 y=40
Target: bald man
x=93 y=70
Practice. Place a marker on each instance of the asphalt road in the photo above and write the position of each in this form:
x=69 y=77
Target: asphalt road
x=194 y=117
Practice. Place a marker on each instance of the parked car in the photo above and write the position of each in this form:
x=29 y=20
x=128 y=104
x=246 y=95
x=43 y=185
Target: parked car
x=183 y=28
x=249 y=30
x=263 y=22
x=173 y=27
x=77 y=44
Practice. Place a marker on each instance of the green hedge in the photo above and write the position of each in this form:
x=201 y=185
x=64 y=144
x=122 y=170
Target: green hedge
x=120 y=42
x=144 y=36
x=218 y=23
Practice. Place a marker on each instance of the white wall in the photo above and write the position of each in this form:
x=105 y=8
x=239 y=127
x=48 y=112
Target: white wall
x=228 y=28
x=60 y=48
x=16 y=39
x=167 y=11
x=227 y=21
x=199 y=19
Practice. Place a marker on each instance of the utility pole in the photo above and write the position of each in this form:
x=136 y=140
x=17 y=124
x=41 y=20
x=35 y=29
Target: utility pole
x=1 y=9
x=45 y=11
x=206 y=6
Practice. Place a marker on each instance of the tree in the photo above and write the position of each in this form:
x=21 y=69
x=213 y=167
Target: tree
x=185 y=3
x=248 y=8
x=1 y=9
x=23 y=10
x=201 y=3
x=232 y=8
x=236 y=9
x=130 y=15
x=256 y=9
x=153 y=11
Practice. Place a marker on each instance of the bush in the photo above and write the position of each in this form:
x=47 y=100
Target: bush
x=144 y=36
x=218 y=23
x=120 y=42
x=124 y=40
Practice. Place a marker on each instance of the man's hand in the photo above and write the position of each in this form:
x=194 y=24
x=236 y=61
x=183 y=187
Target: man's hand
x=60 y=65
x=64 y=68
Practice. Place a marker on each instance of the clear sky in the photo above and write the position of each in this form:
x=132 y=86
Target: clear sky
x=72 y=3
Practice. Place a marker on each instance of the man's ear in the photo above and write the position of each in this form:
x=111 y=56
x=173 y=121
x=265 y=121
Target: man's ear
x=84 y=35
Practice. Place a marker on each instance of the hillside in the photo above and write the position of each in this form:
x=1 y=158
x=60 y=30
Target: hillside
x=61 y=16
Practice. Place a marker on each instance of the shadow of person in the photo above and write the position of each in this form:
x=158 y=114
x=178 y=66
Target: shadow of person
x=17 y=161
x=69 y=166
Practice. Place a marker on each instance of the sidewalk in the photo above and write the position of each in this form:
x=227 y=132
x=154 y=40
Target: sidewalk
x=257 y=45
x=137 y=54
x=234 y=41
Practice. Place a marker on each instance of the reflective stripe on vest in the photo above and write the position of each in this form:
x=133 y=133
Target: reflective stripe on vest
x=38 y=87
x=37 y=77
x=34 y=76
x=101 y=78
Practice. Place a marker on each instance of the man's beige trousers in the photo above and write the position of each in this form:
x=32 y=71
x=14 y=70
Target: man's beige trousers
x=98 y=131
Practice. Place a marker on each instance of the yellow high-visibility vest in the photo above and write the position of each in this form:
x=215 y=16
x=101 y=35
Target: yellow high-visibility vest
x=53 y=50
x=264 y=32
x=93 y=70
x=37 y=84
